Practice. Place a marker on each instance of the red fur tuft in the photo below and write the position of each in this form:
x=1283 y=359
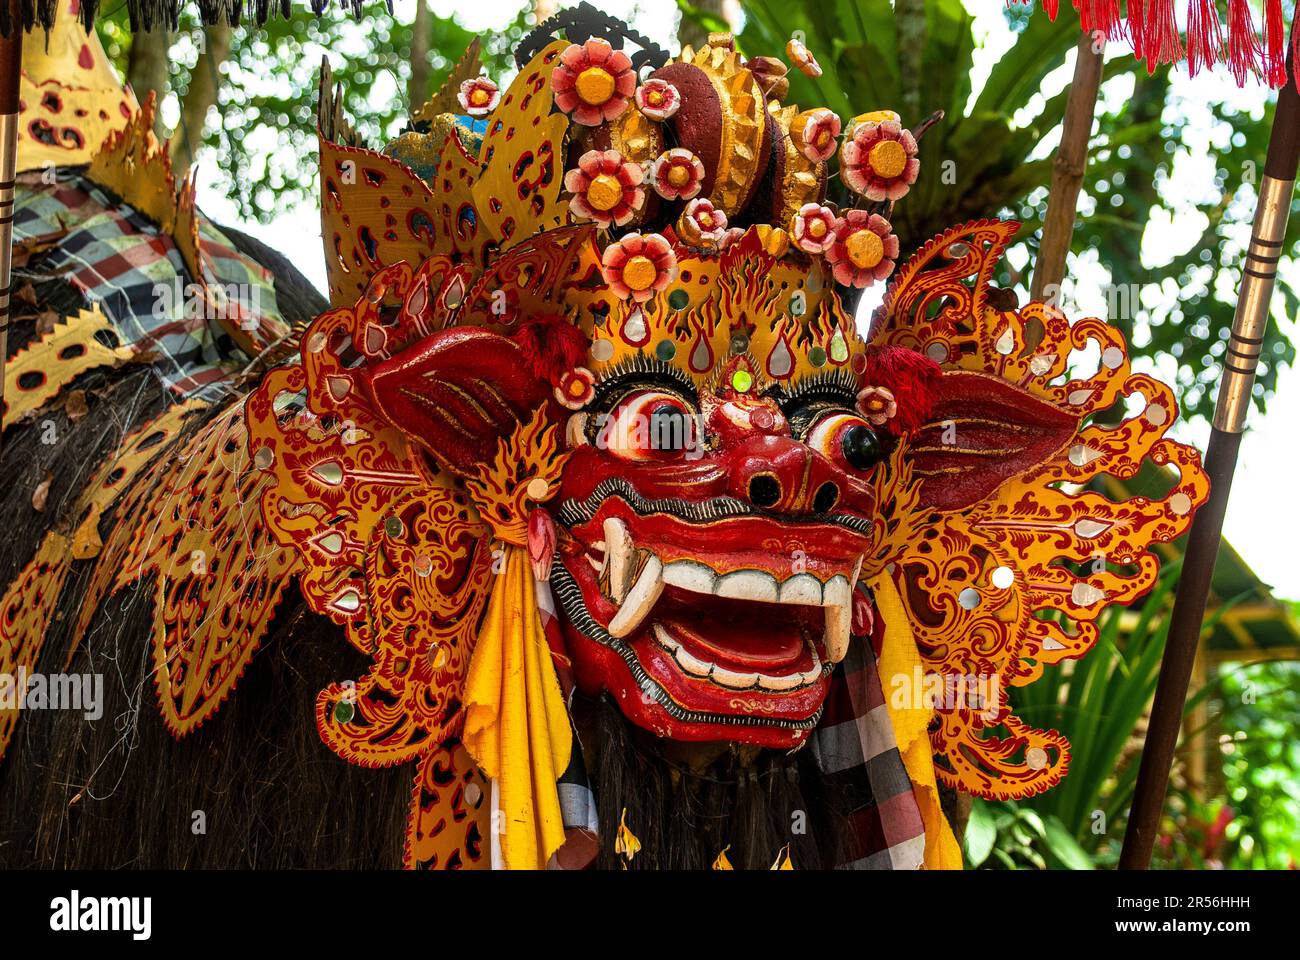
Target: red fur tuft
x=911 y=377
x=552 y=347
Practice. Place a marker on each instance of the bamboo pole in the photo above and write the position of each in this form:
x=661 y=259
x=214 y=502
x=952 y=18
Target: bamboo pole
x=1276 y=190
x=1067 y=171
x=11 y=62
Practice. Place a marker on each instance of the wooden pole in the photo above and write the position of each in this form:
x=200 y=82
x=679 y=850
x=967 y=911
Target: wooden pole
x=1276 y=190
x=1067 y=171
x=11 y=63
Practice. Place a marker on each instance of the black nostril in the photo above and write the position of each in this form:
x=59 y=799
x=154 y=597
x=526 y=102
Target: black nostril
x=764 y=490
x=828 y=494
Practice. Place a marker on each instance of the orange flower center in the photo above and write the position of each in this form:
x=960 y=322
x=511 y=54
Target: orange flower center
x=655 y=98
x=678 y=175
x=639 y=273
x=705 y=219
x=888 y=158
x=605 y=192
x=595 y=85
x=866 y=249
x=876 y=405
x=479 y=97
x=817 y=228
x=823 y=137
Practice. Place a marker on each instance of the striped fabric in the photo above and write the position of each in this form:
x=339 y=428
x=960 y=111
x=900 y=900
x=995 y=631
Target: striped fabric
x=854 y=745
x=120 y=260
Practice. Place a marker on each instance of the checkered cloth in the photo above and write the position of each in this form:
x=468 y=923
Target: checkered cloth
x=854 y=745
x=119 y=259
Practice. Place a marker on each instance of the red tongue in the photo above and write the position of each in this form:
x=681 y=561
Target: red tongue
x=738 y=633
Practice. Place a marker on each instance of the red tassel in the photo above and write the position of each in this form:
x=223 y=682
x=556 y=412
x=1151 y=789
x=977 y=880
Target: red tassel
x=1099 y=15
x=913 y=379
x=1160 y=35
x=1243 y=41
x=1051 y=7
x=552 y=347
x=1274 y=44
x=1204 y=35
x=1136 y=21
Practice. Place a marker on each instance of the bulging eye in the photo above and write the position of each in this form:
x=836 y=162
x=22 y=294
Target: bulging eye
x=649 y=425
x=847 y=439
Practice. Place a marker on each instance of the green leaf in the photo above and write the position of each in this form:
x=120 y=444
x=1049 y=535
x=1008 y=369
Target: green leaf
x=1062 y=849
x=981 y=834
x=1040 y=48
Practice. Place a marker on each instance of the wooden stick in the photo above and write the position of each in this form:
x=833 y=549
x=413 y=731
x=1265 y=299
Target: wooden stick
x=1067 y=171
x=11 y=64
x=1276 y=189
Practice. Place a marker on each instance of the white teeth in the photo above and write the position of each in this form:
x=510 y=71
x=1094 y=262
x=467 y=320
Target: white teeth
x=748 y=585
x=636 y=599
x=620 y=558
x=836 y=635
x=692 y=665
x=688 y=575
x=782 y=683
x=836 y=592
x=737 y=681
x=802 y=588
x=696 y=667
x=838 y=600
x=640 y=597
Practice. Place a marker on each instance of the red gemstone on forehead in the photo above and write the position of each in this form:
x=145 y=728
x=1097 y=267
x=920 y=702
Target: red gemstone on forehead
x=762 y=419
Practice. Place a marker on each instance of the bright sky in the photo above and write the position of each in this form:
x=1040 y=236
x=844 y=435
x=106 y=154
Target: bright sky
x=1258 y=521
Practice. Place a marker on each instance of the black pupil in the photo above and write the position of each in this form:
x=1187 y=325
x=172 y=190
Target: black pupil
x=669 y=428
x=861 y=447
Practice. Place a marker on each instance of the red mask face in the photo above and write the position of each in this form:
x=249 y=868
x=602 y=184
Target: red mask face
x=710 y=540
x=708 y=582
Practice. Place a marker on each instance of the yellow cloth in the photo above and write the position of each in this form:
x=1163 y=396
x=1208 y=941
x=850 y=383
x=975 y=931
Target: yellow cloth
x=516 y=724
x=899 y=657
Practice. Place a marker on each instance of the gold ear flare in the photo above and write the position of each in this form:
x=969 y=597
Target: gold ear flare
x=374 y=213
x=523 y=154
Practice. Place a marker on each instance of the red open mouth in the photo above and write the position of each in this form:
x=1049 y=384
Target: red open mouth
x=729 y=626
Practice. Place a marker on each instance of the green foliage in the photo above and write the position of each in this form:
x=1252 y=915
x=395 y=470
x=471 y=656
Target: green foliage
x=1256 y=824
x=1015 y=837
